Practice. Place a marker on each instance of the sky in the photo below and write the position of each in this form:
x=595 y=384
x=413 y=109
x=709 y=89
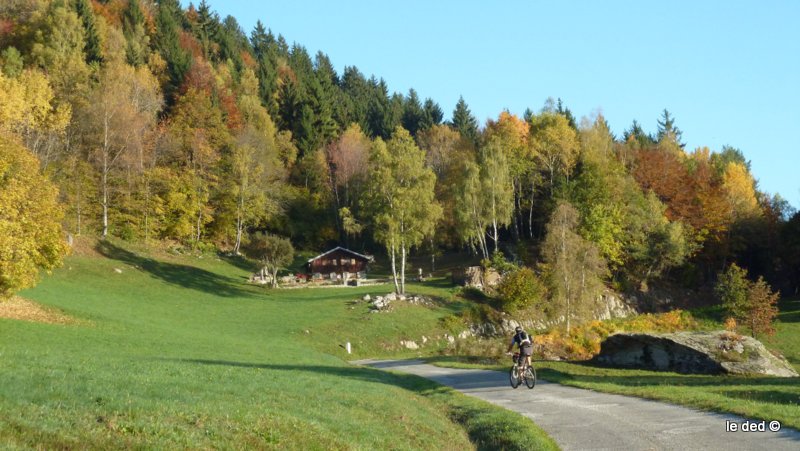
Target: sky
x=728 y=71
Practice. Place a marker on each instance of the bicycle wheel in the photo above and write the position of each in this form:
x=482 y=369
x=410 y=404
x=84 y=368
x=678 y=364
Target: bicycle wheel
x=530 y=376
x=514 y=377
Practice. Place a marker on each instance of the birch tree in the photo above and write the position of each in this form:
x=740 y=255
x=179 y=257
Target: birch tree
x=400 y=199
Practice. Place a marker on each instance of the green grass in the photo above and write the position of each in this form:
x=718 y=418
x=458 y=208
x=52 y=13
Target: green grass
x=179 y=353
x=768 y=398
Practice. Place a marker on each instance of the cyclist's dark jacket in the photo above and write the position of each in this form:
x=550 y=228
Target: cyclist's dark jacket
x=521 y=337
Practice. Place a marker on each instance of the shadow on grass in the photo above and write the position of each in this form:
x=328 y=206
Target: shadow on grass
x=237 y=261
x=368 y=374
x=789 y=311
x=180 y=275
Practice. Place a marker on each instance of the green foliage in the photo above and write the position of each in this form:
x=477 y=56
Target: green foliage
x=499 y=262
x=464 y=121
x=11 y=62
x=273 y=252
x=92 y=48
x=520 y=289
x=731 y=290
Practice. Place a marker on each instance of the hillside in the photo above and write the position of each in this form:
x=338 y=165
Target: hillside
x=178 y=352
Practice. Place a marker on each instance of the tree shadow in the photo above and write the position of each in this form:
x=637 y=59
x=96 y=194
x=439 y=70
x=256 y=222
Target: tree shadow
x=238 y=261
x=179 y=275
x=411 y=382
x=789 y=311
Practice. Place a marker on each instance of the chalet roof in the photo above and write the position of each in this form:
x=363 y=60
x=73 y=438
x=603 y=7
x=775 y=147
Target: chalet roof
x=368 y=258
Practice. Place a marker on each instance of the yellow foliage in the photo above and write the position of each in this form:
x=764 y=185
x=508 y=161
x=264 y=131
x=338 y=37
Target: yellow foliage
x=740 y=190
x=26 y=105
x=30 y=219
x=584 y=341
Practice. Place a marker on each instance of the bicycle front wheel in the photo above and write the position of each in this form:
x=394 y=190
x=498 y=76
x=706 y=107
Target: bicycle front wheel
x=514 y=376
x=530 y=376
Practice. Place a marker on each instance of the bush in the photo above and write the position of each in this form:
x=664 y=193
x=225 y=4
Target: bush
x=520 y=289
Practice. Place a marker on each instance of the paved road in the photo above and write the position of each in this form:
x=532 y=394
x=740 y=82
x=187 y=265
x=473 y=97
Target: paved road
x=586 y=420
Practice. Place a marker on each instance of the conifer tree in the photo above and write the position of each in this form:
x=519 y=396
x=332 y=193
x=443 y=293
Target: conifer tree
x=464 y=121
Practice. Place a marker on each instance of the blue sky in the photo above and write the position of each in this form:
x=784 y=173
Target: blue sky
x=729 y=71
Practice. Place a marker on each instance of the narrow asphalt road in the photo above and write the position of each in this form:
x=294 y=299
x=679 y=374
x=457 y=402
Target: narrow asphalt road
x=580 y=419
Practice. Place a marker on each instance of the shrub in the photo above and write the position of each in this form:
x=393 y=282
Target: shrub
x=520 y=289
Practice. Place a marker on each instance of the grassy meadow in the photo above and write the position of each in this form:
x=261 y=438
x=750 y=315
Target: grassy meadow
x=178 y=352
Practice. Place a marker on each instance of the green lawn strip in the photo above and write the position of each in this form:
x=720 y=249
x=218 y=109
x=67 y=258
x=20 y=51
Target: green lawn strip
x=178 y=353
x=490 y=427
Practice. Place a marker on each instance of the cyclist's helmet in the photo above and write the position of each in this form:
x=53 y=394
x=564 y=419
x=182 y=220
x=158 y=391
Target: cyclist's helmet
x=518 y=329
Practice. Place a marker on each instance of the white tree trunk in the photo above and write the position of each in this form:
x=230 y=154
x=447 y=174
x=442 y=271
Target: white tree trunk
x=402 y=268
x=394 y=270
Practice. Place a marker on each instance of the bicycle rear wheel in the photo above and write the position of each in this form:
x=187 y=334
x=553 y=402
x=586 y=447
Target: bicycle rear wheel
x=513 y=376
x=530 y=376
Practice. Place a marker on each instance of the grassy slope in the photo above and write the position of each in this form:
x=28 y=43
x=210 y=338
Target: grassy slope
x=181 y=354
x=767 y=398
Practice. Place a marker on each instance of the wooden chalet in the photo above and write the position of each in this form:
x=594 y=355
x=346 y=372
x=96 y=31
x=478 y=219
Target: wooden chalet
x=339 y=263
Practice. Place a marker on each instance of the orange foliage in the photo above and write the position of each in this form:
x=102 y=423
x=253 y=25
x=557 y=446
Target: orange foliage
x=200 y=77
x=688 y=187
x=248 y=60
x=231 y=112
x=511 y=125
x=190 y=44
x=111 y=11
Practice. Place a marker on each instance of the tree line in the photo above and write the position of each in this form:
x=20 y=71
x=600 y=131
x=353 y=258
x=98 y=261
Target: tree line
x=158 y=123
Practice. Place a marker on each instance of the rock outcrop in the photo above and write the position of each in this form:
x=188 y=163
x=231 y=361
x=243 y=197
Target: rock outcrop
x=693 y=352
x=384 y=303
x=476 y=277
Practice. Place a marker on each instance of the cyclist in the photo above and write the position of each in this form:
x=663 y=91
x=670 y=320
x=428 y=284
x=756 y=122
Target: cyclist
x=525 y=343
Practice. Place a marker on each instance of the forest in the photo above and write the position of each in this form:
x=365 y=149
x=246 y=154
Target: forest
x=159 y=124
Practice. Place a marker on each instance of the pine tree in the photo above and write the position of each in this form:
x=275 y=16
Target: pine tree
x=92 y=48
x=135 y=35
x=464 y=121
x=412 y=113
x=668 y=130
x=167 y=41
x=432 y=114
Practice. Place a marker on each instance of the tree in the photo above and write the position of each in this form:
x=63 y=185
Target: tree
x=761 y=308
x=464 y=121
x=271 y=251
x=555 y=145
x=399 y=199
x=667 y=129
x=136 y=38
x=121 y=111
x=92 y=48
x=471 y=211
x=575 y=267
x=520 y=289
x=348 y=157
x=30 y=219
x=731 y=290
x=497 y=187
x=751 y=303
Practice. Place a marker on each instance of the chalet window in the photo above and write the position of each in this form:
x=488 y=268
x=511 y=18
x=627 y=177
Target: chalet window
x=352 y=261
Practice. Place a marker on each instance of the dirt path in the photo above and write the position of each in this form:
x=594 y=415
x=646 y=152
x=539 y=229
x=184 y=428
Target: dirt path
x=580 y=419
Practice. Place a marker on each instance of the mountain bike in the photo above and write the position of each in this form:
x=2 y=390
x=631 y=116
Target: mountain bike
x=521 y=372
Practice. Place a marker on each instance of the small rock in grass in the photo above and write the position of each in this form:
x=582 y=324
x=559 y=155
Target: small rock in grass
x=409 y=344
x=117 y=270
x=367 y=297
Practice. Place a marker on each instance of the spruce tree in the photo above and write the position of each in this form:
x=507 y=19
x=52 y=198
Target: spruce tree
x=92 y=47
x=464 y=121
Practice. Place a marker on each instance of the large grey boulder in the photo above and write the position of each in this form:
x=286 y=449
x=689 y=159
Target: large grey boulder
x=693 y=352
